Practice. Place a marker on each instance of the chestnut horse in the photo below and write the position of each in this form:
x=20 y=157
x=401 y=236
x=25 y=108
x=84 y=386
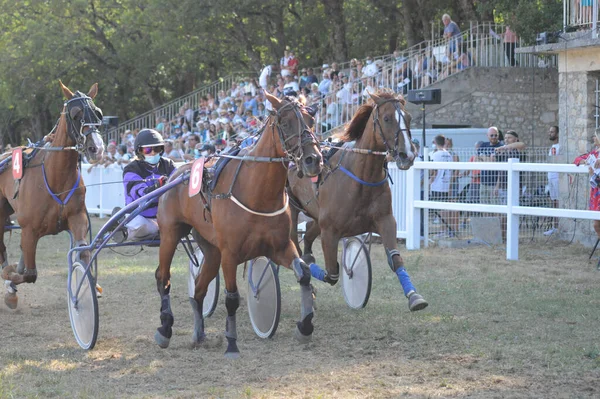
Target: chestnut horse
x=50 y=197
x=353 y=196
x=248 y=217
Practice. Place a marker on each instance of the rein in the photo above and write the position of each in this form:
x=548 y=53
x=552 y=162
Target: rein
x=356 y=150
x=290 y=155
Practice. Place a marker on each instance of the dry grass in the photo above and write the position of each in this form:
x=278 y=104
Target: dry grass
x=494 y=329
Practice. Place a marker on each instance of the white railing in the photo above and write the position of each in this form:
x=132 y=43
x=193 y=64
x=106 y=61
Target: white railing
x=417 y=67
x=581 y=14
x=513 y=210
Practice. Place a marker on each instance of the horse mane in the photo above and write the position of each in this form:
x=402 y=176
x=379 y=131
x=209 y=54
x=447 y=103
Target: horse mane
x=357 y=125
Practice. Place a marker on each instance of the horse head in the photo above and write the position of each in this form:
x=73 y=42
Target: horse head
x=298 y=142
x=83 y=119
x=392 y=122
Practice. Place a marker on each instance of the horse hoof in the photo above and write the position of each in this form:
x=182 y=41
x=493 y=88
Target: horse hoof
x=162 y=341
x=416 y=302
x=232 y=355
x=11 y=300
x=301 y=338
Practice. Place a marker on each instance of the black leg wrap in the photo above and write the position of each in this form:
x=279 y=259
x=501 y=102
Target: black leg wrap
x=301 y=271
x=232 y=345
x=30 y=275
x=232 y=302
x=305 y=326
x=166 y=321
x=390 y=255
x=332 y=279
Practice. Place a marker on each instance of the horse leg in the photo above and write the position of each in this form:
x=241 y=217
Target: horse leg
x=210 y=269
x=168 y=243
x=232 y=302
x=294 y=228
x=78 y=225
x=329 y=242
x=386 y=227
x=289 y=256
x=29 y=242
x=312 y=232
x=10 y=297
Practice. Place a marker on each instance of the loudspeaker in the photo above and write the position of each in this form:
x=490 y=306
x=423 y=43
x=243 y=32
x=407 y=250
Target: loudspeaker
x=110 y=121
x=425 y=96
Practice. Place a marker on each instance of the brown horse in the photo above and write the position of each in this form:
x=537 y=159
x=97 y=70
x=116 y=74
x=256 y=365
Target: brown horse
x=51 y=195
x=249 y=217
x=353 y=196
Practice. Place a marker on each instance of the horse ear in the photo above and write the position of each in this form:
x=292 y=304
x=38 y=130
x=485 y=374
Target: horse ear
x=376 y=99
x=273 y=100
x=93 y=91
x=68 y=93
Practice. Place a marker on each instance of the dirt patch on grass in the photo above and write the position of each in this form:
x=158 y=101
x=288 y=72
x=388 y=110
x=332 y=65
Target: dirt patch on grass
x=493 y=329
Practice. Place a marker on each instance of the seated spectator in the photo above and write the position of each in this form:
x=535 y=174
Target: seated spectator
x=220 y=145
x=405 y=77
x=325 y=84
x=290 y=83
x=370 y=69
x=207 y=150
x=122 y=157
x=192 y=141
x=171 y=153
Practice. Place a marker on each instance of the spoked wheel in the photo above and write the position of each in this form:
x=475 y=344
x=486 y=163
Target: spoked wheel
x=83 y=306
x=212 y=294
x=356 y=273
x=264 y=297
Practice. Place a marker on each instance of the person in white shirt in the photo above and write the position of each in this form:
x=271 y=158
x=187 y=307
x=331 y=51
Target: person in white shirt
x=439 y=181
x=290 y=83
x=265 y=75
x=553 y=177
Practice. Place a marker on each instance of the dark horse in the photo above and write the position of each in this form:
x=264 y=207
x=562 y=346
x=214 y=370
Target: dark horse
x=249 y=217
x=353 y=196
x=50 y=197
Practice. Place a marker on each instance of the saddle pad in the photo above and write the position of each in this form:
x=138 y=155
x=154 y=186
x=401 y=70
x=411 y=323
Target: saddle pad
x=6 y=158
x=218 y=168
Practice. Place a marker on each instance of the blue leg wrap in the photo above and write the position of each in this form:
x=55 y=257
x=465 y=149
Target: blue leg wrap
x=405 y=281
x=317 y=272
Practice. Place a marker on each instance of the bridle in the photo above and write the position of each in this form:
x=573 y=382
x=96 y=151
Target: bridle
x=393 y=151
x=91 y=118
x=305 y=135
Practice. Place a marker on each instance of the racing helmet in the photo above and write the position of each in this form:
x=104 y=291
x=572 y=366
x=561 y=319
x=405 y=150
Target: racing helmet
x=147 y=138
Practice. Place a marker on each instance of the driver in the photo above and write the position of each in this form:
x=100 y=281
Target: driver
x=145 y=174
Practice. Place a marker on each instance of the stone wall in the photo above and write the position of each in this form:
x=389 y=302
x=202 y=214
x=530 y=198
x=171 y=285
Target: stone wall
x=521 y=99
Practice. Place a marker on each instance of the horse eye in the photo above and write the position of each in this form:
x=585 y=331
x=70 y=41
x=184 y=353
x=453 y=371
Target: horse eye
x=386 y=118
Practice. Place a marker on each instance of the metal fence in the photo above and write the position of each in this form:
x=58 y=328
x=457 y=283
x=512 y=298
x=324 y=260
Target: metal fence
x=466 y=187
x=418 y=67
x=581 y=15
x=171 y=109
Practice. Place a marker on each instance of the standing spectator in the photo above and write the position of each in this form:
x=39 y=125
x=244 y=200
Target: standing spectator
x=310 y=76
x=452 y=33
x=439 y=181
x=511 y=149
x=292 y=65
x=265 y=75
x=592 y=159
x=250 y=103
x=370 y=69
x=510 y=43
x=283 y=63
x=303 y=81
x=553 y=177
x=453 y=192
x=489 y=177
x=473 y=195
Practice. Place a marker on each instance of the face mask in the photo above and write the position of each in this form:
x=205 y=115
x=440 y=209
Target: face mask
x=369 y=62
x=152 y=160
x=204 y=153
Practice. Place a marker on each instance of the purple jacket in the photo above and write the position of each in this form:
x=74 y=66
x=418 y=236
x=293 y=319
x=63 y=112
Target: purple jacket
x=139 y=175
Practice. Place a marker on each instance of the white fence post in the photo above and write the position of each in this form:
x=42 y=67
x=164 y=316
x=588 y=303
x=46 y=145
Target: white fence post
x=512 y=220
x=413 y=219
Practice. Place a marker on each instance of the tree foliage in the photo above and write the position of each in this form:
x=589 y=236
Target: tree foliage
x=145 y=52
